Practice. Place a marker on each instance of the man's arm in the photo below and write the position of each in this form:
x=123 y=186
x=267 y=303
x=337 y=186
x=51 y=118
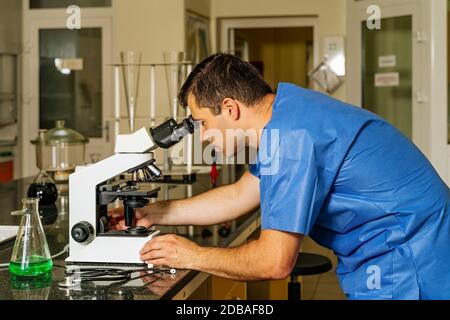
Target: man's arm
x=271 y=257
x=213 y=207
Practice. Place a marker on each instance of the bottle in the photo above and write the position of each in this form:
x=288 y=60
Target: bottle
x=43 y=187
x=31 y=255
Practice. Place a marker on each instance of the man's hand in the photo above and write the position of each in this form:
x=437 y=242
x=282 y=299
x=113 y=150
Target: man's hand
x=271 y=257
x=170 y=251
x=117 y=220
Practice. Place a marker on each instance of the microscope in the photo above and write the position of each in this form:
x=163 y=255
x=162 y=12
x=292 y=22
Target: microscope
x=129 y=176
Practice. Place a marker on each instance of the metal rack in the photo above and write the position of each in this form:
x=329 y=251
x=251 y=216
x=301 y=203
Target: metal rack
x=189 y=141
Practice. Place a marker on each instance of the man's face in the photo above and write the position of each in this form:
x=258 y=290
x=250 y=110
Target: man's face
x=214 y=128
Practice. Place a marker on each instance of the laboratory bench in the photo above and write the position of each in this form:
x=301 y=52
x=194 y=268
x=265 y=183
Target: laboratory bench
x=184 y=284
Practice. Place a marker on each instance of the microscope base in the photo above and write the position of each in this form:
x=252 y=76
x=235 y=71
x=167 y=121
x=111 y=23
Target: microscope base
x=109 y=250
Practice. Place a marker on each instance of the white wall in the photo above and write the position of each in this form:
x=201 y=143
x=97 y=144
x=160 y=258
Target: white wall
x=151 y=27
x=11 y=42
x=10 y=25
x=436 y=22
x=331 y=15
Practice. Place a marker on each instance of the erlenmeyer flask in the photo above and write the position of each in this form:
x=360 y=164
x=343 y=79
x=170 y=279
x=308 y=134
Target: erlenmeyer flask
x=43 y=187
x=31 y=256
x=176 y=73
x=131 y=70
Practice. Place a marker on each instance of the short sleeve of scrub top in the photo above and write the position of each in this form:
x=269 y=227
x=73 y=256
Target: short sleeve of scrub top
x=291 y=202
x=296 y=165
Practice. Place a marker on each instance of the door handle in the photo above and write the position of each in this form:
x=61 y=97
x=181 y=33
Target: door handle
x=420 y=97
x=106 y=129
x=28 y=98
x=421 y=36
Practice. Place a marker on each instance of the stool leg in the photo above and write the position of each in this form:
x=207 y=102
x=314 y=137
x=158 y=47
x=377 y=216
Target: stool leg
x=294 y=289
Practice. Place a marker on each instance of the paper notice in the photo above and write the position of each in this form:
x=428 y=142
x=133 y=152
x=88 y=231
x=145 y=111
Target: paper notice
x=387 y=61
x=391 y=79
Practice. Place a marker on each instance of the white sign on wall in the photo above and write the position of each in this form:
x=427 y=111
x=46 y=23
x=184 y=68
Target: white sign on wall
x=334 y=49
x=389 y=79
x=387 y=61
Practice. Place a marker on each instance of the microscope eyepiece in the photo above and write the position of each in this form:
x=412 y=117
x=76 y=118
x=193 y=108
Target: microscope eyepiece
x=170 y=132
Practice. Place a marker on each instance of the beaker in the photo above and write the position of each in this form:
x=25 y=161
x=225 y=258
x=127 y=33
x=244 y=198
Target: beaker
x=131 y=70
x=62 y=149
x=31 y=255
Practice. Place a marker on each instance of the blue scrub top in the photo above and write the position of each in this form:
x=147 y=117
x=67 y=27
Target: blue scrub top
x=357 y=186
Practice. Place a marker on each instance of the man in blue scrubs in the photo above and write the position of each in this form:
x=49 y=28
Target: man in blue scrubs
x=326 y=169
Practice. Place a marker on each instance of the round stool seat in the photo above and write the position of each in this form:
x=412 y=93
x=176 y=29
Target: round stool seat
x=311 y=264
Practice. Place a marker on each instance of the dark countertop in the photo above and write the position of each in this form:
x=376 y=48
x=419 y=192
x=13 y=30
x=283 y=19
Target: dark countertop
x=152 y=287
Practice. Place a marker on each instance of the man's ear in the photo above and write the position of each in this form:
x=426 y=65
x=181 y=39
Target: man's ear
x=231 y=108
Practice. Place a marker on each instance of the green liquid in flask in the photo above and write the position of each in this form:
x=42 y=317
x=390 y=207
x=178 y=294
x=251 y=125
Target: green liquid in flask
x=37 y=266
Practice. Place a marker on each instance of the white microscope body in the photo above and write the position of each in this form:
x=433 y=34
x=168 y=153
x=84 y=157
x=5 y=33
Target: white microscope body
x=92 y=188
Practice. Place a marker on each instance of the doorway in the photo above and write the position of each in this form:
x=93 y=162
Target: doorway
x=282 y=48
x=266 y=41
x=280 y=54
x=410 y=56
x=386 y=73
x=387 y=85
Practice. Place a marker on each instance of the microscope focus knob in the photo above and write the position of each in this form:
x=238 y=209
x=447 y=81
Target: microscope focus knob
x=82 y=232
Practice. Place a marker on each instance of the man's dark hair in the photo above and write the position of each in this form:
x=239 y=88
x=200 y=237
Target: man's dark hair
x=223 y=76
